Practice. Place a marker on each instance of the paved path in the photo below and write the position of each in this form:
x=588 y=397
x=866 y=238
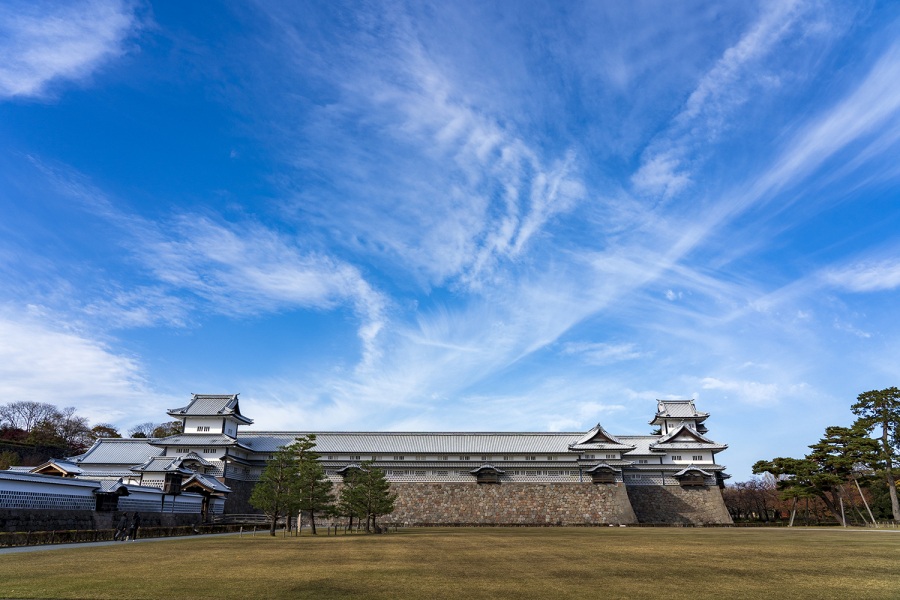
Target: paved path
x=43 y=547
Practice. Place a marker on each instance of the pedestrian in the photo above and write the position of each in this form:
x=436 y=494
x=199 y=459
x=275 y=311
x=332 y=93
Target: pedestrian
x=135 y=524
x=122 y=529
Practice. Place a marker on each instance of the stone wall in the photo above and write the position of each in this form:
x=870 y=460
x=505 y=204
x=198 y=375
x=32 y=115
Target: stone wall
x=509 y=504
x=676 y=504
x=56 y=520
x=238 y=501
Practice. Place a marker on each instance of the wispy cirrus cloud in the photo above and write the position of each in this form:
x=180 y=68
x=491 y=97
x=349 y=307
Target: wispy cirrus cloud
x=864 y=276
x=671 y=161
x=450 y=190
x=42 y=42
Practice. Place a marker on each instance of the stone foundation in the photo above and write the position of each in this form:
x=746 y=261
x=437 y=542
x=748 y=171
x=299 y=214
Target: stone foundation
x=12 y=519
x=509 y=504
x=238 y=501
x=666 y=504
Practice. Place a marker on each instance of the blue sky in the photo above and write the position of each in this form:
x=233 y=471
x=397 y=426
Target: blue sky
x=453 y=216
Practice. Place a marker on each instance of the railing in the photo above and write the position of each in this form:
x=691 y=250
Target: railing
x=252 y=519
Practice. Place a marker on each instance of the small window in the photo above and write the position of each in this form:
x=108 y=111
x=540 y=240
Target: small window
x=610 y=456
x=444 y=458
x=531 y=458
x=551 y=458
x=642 y=461
x=697 y=457
x=209 y=451
x=507 y=457
x=676 y=457
x=399 y=458
x=590 y=456
x=464 y=458
x=485 y=458
x=356 y=457
x=421 y=457
x=203 y=428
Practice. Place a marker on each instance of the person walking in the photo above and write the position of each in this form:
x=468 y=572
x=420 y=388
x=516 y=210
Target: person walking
x=135 y=524
x=122 y=529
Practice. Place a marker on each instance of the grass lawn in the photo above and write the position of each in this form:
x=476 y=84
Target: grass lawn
x=476 y=563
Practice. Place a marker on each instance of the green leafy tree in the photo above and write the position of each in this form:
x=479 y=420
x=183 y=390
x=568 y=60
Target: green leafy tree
x=278 y=491
x=315 y=487
x=834 y=460
x=104 y=431
x=880 y=410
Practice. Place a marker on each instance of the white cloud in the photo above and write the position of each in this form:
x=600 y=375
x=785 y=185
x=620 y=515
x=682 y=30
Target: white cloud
x=42 y=42
x=865 y=276
x=602 y=354
x=43 y=363
x=669 y=162
x=751 y=392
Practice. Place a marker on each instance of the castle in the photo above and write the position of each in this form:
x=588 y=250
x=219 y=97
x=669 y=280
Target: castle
x=476 y=478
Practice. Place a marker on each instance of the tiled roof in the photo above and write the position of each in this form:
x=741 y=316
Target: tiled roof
x=62 y=465
x=196 y=439
x=599 y=439
x=208 y=482
x=685 y=438
x=411 y=443
x=602 y=466
x=677 y=409
x=20 y=476
x=487 y=468
x=211 y=405
x=159 y=464
x=114 y=451
x=690 y=468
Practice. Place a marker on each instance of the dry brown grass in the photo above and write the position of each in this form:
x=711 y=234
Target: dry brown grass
x=476 y=563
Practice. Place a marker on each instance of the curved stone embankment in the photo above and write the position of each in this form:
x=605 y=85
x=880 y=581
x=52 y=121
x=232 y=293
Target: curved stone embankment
x=672 y=504
x=510 y=504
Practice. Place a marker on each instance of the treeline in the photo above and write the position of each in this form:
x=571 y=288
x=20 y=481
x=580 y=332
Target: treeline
x=848 y=475
x=294 y=481
x=33 y=432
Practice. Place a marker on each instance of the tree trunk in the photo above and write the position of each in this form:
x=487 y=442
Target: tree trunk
x=350 y=525
x=272 y=525
x=888 y=473
x=312 y=522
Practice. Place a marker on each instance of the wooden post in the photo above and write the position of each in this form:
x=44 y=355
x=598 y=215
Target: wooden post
x=856 y=481
x=793 y=512
x=843 y=517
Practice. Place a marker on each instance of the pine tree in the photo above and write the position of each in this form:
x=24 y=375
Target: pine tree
x=881 y=408
x=373 y=494
x=315 y=494
x=278 y=492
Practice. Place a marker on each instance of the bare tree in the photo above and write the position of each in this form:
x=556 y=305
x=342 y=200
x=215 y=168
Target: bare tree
x=25 y=414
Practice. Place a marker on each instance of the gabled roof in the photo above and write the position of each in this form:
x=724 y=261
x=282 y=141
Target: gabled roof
x=56 y=465
x=685 y=438
x=211 y=405
x=600 y=439
x=162 y=464
x=677 y=409
x=206 y=482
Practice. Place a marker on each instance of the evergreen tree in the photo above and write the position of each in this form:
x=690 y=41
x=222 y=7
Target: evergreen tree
x=278 y=492
x=315 y=487
x=881 y=409
x=834 y=460
x=373 y=495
